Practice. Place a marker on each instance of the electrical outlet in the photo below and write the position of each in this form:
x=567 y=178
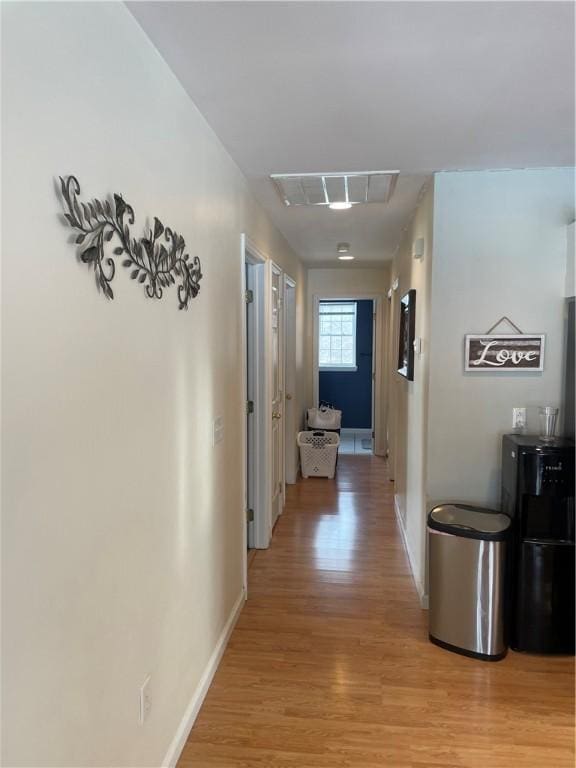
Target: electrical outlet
x=519 y=418
x=145 y=700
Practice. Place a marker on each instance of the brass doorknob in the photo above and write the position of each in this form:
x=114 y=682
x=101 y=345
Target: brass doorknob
x=276 y=415
x=288 y=397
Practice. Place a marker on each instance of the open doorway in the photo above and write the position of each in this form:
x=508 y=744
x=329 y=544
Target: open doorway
x=346 y=367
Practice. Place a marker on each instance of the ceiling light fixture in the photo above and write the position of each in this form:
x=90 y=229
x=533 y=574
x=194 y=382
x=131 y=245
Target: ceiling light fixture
x=346 y=258
x=340 y=206
x=343 y=247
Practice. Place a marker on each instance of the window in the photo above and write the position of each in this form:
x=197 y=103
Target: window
x=337 y=336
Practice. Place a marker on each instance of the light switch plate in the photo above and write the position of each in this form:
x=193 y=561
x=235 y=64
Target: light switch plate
x=217 y=430
x=418 y=248
x=145 y=700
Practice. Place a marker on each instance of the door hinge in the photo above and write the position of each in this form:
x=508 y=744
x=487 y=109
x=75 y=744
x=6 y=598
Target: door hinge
x=249 y=296
x=250 y=406
x=373 y=435
x=250 y=515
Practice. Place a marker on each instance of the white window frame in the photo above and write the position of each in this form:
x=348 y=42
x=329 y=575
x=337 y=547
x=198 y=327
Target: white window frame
x=340 y=368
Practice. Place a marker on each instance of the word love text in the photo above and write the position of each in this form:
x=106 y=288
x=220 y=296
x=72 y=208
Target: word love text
x=517 y=352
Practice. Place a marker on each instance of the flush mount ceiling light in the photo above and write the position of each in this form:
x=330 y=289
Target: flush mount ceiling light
x=342 y=249
x=343 y=206
x=337 y=191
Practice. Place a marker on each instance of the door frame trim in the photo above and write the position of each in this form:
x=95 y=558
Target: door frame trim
x=378 y=358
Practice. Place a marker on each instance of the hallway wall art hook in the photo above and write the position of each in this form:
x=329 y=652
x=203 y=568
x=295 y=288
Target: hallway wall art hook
x=504 y=319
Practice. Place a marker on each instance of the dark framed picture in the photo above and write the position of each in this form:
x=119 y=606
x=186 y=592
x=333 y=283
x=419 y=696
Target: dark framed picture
x=504 y=352
x=406 y=335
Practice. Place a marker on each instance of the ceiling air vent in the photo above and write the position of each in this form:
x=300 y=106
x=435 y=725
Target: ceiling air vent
x=330 y=188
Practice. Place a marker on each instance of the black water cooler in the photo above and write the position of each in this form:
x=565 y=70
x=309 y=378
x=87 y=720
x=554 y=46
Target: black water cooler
x=538 y=494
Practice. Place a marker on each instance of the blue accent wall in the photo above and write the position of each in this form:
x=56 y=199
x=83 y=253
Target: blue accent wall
x=351 y=392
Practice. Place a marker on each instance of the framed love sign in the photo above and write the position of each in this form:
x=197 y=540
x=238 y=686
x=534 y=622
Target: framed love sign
x=497 y=352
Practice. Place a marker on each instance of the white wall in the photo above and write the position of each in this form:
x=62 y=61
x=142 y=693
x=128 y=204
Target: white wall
x=499 y=249
x=347 y=282
x=408 y=404
x=122 y=545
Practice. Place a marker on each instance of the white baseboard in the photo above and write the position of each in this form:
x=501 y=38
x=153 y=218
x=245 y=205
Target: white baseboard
x=353 y=431
x=191 y=713
x=419 y=586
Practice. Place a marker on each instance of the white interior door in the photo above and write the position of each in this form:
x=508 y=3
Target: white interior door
x=373 y=383
x=255 y=321
x=250 y=403
x=290 y=419
x=277 y=429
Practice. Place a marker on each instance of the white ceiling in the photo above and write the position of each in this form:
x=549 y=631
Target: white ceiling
x=357 y=86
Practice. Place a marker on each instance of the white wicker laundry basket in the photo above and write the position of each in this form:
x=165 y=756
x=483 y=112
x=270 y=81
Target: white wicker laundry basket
x=318 y=452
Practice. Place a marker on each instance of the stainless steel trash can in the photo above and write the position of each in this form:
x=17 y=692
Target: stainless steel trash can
x=467 y=551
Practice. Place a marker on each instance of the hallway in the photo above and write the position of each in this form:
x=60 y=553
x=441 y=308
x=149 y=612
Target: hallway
x=330 y=666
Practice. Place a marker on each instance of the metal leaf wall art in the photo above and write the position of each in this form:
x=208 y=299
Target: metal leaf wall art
x=157 y=260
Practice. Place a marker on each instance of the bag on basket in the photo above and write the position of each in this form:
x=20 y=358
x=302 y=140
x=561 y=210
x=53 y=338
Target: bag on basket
x=324 y=418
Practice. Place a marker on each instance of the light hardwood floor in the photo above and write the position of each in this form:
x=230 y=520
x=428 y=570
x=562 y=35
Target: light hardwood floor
x=330 y=665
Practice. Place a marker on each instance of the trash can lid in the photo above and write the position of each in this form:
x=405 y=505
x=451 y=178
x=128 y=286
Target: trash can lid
x=470 y=522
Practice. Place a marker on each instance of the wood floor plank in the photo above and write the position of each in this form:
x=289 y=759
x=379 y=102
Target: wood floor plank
x=330 y=665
